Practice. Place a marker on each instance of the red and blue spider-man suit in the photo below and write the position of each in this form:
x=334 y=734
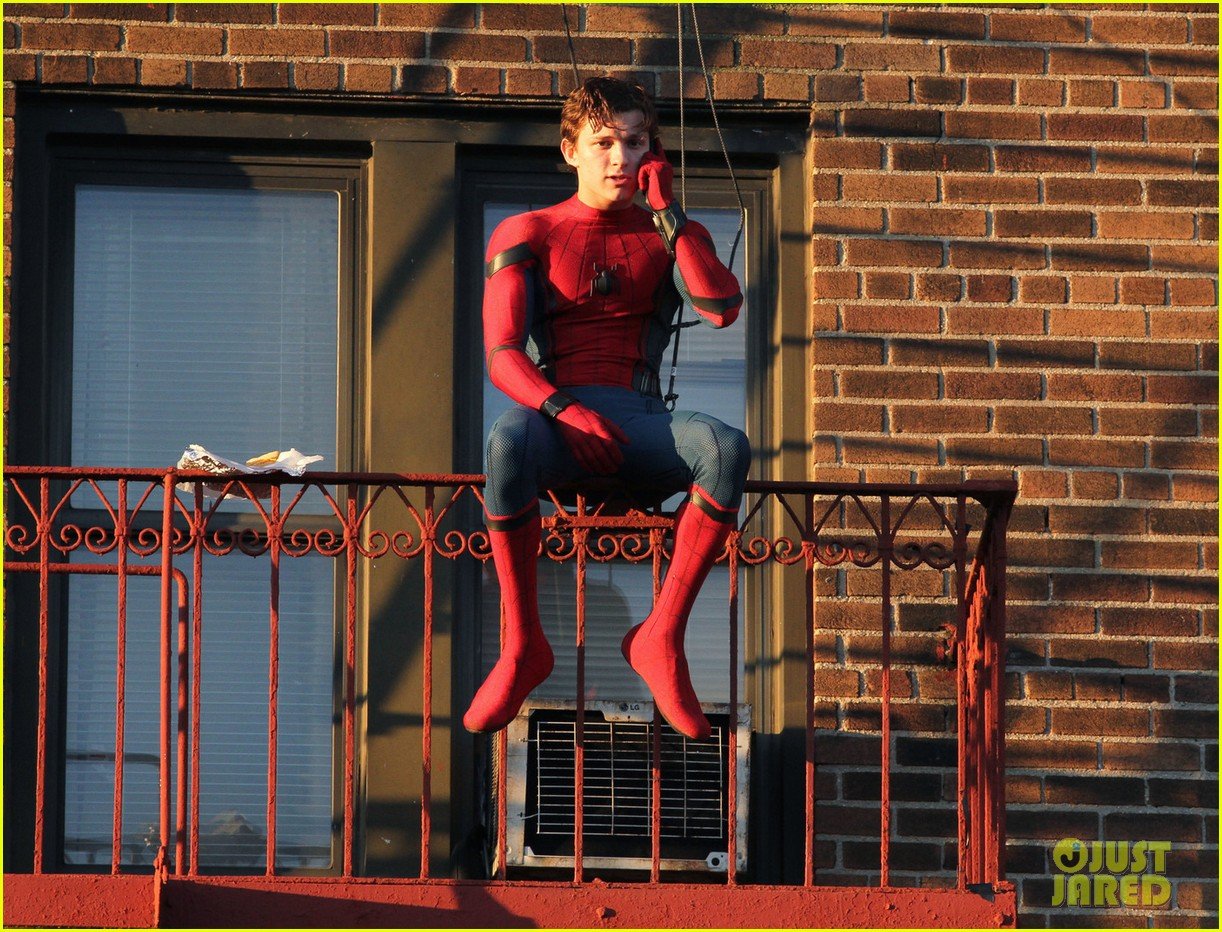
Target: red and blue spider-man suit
x=578 y=308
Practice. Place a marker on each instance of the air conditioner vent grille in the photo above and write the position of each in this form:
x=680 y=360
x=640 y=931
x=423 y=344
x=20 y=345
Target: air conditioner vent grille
x=617 y=788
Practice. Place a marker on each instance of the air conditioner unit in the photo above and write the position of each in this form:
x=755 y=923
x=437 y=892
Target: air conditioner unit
x=617 y=791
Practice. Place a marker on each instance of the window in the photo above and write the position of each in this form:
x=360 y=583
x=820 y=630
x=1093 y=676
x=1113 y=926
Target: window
x=208 y=304
x=715 y=375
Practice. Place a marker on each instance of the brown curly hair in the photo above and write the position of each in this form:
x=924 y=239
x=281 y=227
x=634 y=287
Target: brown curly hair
x=598 y=100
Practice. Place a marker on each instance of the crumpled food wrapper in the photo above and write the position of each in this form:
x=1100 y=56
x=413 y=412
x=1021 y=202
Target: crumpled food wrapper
x=293 y=462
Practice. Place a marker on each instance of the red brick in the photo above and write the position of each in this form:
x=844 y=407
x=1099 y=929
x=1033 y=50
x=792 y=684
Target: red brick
x=837 y=87
x=273 y=74
x=1087 y=126
x=847 y=153
x=1149 y=486
x=462 y=16
x=1153 y=226
x=1194 y=95
x=316 y=76
x=993 y=385
x=210 y=74
x=1096 y=61
x=1143 y=30
x=869 y=121
x=135 y=12
x=1042 y=420
x=1183 y=61
x=370 y=78
x=1148 y=555
x=1182 y=129
x=67 y=69
x=834 y=416
x=848 y=220
x=1194 y=489
x=1046 y=289
x=929 y=89
x=1106 y=323
x=251 y=13
x=279 y=43
x=938 y=287
x=880 y=88
x=786 y=86
x=1093 y=289
x=425 y=79
x=1193 y=292
x=590 y=50
x=912 y=156
x=1146 y=160
x=1192 y=656
x=122 y=71
x=1200 y=325
x=1147 y=95
x=1041 y=92
x=905 y=57
x=995 y=320
x=990 y=91
x=994 y=125
x=939 y=419
x=1147 y=422
x=1091 y=93
x=1182 y=389
x=1094 y=387
x=1095 y=452
x=1092 y=257
x=888 y=384
x=991 y=289
x=474 y=80
x=781 y=53
x=1182 y=193
x=1041 y=223
x=179 y=40
x=1043 y=483
x=1097 y=652
x=478 y=48
x=1095 y=790
x=1185 y=258
x=931 y=221
x=20 y=66
x=1149 y=622
x=892 y=252
x=1167 y=454
x=1094 y=191
x=62 y=37
x=328 y=14
x=1043 y=159
x=830 y=285
x=1150 y=756
x=969 y=254
x=1009 y=450
x=883 y=285
x=890 y=450
x=1095 y=485
x=939 y=352
x=871 y=318
x=528 y=82
x=1145 y=354
x=833 y=21
x=159 y=72
x=1052 y=685
x=991 y=190
x=1050 y=753
x=977 y=59
x=1035 y=25
x=1202 y=690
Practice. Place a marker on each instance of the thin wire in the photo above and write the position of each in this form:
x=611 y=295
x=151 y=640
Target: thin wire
x=564 y=9
x=682 y=119
x=708 y=90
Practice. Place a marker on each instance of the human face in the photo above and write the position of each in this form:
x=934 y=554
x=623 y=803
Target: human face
x=607 y=159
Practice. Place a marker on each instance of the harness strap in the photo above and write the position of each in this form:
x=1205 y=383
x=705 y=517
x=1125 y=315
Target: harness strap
x=510 y=256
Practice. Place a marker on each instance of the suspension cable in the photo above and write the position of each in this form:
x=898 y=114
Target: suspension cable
x=564 y=9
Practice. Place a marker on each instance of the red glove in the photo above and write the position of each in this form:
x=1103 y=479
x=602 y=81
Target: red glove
x=593 y=439
x=655 y=177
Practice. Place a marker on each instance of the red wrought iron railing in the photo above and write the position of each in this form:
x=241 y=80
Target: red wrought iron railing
x=125 y=518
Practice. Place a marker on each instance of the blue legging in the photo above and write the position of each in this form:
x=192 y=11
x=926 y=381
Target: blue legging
x=668 y=451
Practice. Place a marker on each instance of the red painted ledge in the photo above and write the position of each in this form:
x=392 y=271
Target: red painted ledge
x=127 y=901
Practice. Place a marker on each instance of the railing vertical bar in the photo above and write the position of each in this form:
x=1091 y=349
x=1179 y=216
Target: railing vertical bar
x=502 y=804
x=732 y=744
x=426 y=763
x=579 y=757
x=180 y=779
x=657 y=538
x=116 y=841
x=808 y=877
x=167 y=557
x=273 y=677
x=995 y=866
x=44 y=647
x=351 y=541
x=885 y=840
x=961 y=711
x=197 y=639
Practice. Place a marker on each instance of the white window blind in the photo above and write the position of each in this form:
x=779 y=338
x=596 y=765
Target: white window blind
x=205 y=316
x=712 y=379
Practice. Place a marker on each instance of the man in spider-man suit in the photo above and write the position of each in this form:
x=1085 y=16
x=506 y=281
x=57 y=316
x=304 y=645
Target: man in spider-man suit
x=578 y=307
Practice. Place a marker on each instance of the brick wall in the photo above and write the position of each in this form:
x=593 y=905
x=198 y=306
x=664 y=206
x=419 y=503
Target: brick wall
x=1014 y=263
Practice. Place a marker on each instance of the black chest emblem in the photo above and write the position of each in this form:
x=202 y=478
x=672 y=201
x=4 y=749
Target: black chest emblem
x=604 y=281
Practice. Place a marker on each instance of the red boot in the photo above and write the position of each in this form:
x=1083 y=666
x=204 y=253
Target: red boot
x=654 y=648
x=526 y=657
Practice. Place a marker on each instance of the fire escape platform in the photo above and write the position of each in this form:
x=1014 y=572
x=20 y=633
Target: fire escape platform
x=144 y=901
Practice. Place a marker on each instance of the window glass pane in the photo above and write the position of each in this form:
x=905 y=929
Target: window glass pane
x=205 y=316
x=712 y=378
